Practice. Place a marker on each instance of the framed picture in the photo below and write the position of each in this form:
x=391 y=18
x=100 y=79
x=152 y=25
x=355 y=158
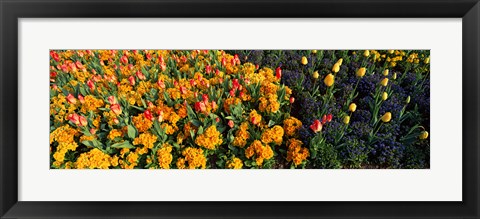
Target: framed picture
x=239 y=109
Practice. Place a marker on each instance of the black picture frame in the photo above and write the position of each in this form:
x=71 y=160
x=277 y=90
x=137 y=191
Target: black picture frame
x=12 y=10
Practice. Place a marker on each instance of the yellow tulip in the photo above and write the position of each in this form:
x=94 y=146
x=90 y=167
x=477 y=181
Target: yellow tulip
x=385 y=72
x=366 y=53
x=304 y=60
x=387 y=117
x=361 y=72
x=314 y=51
x=423 y=135
x=408 y=99
x=340 y=61
x=390 y=51
x=427 y=60
x=394 y=76
x=346 y=120
x=329 y=80
x=315 y=74
x=384 y=96
x=384 y=82
x=352 y=107
x=336 y=67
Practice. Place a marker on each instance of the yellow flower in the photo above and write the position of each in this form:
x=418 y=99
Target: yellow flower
x=384 y=82
x=145 y=139
x=340 y=61
x=304 y=60
x=336 y=67
x=361 y=72
x=235 y=163
x=423 y=135
x=329 y=80
x=408 y=99
x=366 y=53
x=346 y=119
x=291 y=126
x=164 y=156
x=94 y=159
x=194 y=157
x=390 y=51
x=352 y=107
x=385 y=72
x=384 y=96
x=315 y=74
x=426 y=61
x=387 y=117
x=314 y=51
x=394 y=76
x=210 y=138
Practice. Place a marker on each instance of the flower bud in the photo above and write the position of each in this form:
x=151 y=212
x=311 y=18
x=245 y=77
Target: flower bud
x=387 y=117
x=315 y=74
x=278 y=73
x=340 y=61
x=80 y=97
x=131 y=79
x=329 y=80
x=385 y=72
x=426 y=61
x=314 y=51
x=352 y=107
x=304 y=60
x=384 y=82
x=394 y=76
x=366 y=53
x=90 y=84
x=423 y=135
x=336 y=67
x=408 y=99
x=71 y=99
x=74 y=118
x=384 y=96
x=361 y=72
x=230 y=123
x=390 y=51
x=292 y=99
x=346 y=120
x=148 y=114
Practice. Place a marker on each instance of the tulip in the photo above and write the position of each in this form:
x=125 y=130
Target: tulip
x=315 y=74
x=336 y=67
x=390 y=51
x=340 y=61
x=200 y=107
x=361 y=72
x=90 y=84
x=278 y=73
x=324 y=119
x=426 y=61
x=160 y=116
x=214 y=104
x=217 y=119
x=387 y=117
x=352 y=107
x=329 y=80
x=74 y=118
x=79 y=64
x=124 y=59
x=148 y=115
x=141 y=76
x=131 y=79
x=394 y=76
x=384 y=96
x=224 y=61
x=83 y=121
x=346 y=119
x=116 y=109
x=80 y=97
x=116 y=121
x=230 y=123
x=366 y=53
x=316 y=126
x=329 y=117
x=183 y=90
x=205 y=98
x=93 y=131
x=232 y=93
x=408 y=99
x=304 y=60
x=292 y=99
x=254 y=120
x=423 y=135
x=161 y=84
x=112 y=100
x=208 y=69
x=385 y=72
x=384 y=82
x=314 y=51
x=55 y=56
x=71 y=99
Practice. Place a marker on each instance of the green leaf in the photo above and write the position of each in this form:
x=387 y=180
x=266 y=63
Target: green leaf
x=125 y=144
x=200 y=130
x=271 y=123
x=132 y=132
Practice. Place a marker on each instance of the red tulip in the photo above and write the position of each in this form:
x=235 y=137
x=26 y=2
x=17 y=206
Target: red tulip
x=148 y=115
x=131 y=79
x=55 y=56
x=116 y=109
x=71 y=99
x=254 y=120
x=183 y=90
x=112 y=100
x=230 y=123
x=278 y=73
x=79 y=64
x=80 y=97
x=192 y=82
x=235 y=83
x=124 y=59
x=53 y=74
x=161 y=84
x=149 y=56
x=292 y=99
x=208 y=69
x=200 y=107
x=329 y=117
x=83 y=121
x=90 y=84
x=141 y=76
x=316 y=126
x=205 y=98
x=224 y=61
x=74 y=118
x=232 y=93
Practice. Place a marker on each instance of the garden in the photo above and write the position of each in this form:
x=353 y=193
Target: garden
x=239 y=109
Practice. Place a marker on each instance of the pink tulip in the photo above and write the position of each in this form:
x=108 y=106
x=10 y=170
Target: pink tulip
x=230 y=123
x=116 y=109
x=124 y=59
x=71 y=99
x=131 y=79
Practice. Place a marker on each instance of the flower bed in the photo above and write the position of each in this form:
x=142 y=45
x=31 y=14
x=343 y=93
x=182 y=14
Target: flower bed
x=163 y=109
